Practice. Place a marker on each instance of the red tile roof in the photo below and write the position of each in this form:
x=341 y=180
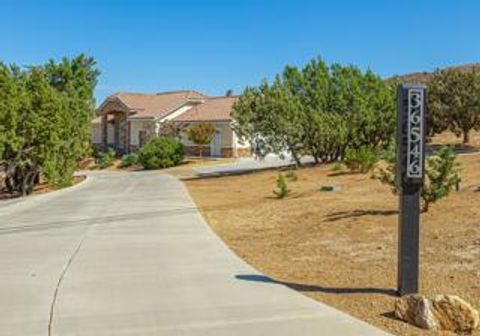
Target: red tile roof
x=213 y=109
x=157 y=105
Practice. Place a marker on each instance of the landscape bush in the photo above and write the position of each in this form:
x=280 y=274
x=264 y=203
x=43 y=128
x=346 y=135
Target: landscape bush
x=318 y=110
x=360 y=160
x=441 y=176
x=338 y=166
x=45 y=121
x=106 y=159
x=454 y=102
x=282 y=190
x=129 y=160
x=201 y=134
x=161 y=152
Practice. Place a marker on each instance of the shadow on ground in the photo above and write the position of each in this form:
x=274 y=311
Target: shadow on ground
x=335 y=216
x=458 y=149
x=101 y=220
x=316 y=288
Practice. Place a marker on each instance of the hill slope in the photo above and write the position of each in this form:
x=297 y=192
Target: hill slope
x=425 y=77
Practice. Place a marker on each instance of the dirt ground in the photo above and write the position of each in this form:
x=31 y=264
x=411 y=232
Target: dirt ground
x=340 y=247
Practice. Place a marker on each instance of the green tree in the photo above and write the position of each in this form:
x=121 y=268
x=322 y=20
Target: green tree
x=319 y=110
x=441 y=176
x=454 y=102
x=45 y=114
x=201 y=134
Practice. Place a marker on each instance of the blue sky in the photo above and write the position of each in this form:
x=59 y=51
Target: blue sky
x=213 y=45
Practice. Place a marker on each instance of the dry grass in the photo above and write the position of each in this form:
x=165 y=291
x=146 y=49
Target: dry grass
x=340 y=247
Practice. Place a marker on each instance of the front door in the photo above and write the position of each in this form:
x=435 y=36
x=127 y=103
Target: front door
x=216 y=145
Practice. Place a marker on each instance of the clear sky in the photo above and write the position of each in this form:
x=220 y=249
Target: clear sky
x=213 y=45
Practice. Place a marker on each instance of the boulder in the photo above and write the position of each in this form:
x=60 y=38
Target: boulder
x=443 y=312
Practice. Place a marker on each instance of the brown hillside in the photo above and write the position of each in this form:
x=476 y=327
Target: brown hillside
x=425 y=77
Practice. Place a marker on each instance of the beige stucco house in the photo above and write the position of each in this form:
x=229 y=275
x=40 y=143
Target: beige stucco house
x=126 y=120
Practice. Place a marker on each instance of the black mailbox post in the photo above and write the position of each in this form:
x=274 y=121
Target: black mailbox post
x=411 y=129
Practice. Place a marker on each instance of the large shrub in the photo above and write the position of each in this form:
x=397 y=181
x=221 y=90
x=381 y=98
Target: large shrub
x=320 y=110
x=45 y=115
x=454 y=102
x=162 y=152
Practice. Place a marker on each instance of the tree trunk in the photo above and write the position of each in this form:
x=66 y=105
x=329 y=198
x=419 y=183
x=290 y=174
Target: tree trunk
x=425 y=206
x=466 y=137
x=295 y=157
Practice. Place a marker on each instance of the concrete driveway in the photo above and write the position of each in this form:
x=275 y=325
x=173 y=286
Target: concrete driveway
x=128 y=254
x=249 y=164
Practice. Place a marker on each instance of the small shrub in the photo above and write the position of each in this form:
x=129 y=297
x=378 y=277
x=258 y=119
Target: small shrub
x=106 y=159
x=282 y=190
x=162 y=152
x=291 y=175
x=337 y=167
x=441 y=176
x=129 y=160
x=360 y=159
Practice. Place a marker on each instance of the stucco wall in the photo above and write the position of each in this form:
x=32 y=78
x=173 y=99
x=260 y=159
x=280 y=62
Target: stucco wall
x=135 y=127
x=96 y=135
x=110 y=134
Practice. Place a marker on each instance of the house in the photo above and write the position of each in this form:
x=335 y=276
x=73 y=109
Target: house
x=126 y=120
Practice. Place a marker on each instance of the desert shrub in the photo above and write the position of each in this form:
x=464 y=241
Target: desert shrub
x=441 y=176
x=129 y=160
x=161 y=152
x=201 y=134
x=282 y=190
x=106 y=159
x=337 y=167
x=360 y=159
x=291 y=175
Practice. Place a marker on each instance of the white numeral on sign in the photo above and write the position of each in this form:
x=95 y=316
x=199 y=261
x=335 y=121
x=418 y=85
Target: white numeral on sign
x=415 y=133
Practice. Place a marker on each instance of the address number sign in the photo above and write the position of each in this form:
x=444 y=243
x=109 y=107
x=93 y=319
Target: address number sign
x=415 y=110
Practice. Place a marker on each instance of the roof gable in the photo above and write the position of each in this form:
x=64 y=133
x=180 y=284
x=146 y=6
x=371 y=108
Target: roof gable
x=152 y=105
x=213 y=109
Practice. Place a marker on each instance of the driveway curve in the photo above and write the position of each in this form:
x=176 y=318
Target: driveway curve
x=129 y=254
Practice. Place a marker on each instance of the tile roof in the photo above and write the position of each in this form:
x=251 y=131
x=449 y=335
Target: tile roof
x=213 y=109
x=157 y=105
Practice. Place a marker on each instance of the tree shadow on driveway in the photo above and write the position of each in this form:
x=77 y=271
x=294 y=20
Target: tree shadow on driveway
x=100 y=220
x=316 y=288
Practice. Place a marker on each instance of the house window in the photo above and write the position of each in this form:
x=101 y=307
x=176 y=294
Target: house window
x=142 y=137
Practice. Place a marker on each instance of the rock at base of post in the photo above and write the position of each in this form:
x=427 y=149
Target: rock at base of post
x=443 y=312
